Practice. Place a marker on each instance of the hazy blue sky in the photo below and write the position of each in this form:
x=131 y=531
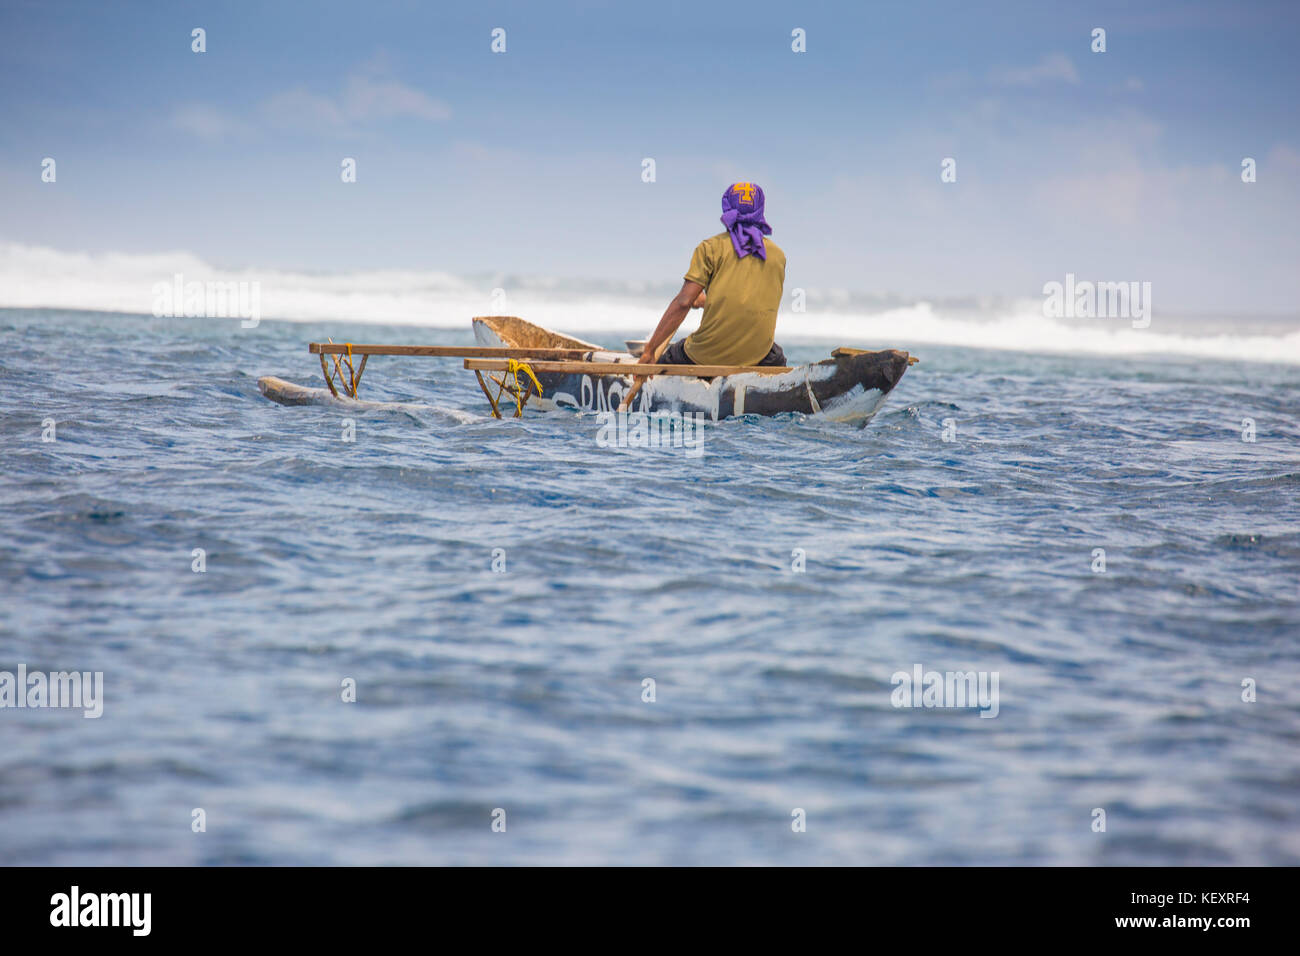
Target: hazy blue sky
x=1116 y=166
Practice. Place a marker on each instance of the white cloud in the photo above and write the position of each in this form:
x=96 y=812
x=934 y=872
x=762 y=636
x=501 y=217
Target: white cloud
x=301 y=108
x=1054 y=67
x=208 y=123
x=369 y=94
x=369 y=97
x=1284 y=157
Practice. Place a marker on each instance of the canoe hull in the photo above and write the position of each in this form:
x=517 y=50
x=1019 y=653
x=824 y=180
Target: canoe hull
x=847 y=388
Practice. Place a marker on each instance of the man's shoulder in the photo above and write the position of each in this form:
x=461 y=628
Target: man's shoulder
x=723 y=240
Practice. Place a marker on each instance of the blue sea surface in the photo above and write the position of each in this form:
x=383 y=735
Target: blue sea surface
x=522 y=690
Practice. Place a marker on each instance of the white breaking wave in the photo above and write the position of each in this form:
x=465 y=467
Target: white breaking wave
x=36 y=277
x=1027 y=330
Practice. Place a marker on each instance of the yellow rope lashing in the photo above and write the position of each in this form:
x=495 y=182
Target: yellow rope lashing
x=514 y=367
x=349 y=382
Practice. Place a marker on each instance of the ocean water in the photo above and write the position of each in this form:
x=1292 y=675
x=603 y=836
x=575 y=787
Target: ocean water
x=522 y=689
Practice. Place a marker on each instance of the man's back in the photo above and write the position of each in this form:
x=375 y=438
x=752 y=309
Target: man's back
x=744 y=294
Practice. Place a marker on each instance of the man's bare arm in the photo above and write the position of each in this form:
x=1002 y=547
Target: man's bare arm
x=691 y=296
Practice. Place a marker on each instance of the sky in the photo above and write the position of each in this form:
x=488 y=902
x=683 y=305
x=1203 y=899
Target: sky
x=1115 y=166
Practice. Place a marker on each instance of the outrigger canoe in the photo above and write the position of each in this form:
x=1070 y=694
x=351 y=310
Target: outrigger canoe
x=538 y=368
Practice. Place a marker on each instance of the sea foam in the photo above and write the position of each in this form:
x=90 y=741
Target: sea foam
x=37 y=277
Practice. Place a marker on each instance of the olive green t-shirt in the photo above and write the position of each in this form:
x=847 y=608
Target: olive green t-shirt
x=739 y=323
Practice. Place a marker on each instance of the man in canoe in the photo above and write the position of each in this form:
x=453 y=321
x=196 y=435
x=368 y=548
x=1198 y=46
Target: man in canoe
x=736 y=277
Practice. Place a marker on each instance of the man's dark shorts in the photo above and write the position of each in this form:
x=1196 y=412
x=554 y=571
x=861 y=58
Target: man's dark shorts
x=675 y=354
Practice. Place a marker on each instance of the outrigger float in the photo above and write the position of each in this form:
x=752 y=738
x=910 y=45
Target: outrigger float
x=533 y=367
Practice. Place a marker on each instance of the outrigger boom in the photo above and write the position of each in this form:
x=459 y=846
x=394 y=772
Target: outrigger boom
x=484 y=358
x=342 y=354
x=630 y=368
x=443 y=351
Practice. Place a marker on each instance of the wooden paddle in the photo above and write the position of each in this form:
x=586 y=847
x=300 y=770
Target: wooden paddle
x=640 y=379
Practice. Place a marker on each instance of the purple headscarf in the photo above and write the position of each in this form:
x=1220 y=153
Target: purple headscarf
x=742 y=217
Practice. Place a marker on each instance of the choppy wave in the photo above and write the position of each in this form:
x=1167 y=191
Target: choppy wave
x=37 y=277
